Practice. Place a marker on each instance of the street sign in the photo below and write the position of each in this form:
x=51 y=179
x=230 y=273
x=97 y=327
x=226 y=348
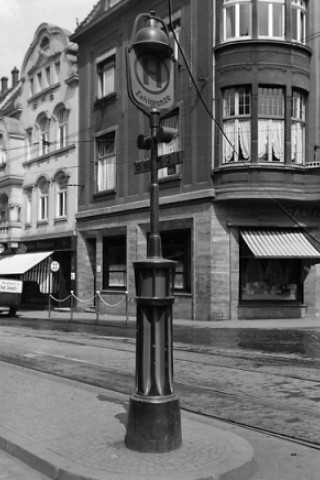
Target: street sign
x=54 y=266
x=163 y=161
x=150 y=81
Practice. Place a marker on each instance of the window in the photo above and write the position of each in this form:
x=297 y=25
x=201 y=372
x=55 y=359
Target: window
x=298 y=110
x=176 y=24
x=63 y=115
x=298 y=20
x=28 y=197
x=271 y=18
x=48 y=76
x=44 y=143
x=39 y=82
x=176 y=246
x=31 y=87
x=268 y=279
x=236 y=124
x=171 y=147
x=271 y=124
x=56 y=72
x=3 y=151
x=114 y=262
x=106 y=162
x=43 y=200
x=236 y=19
x=62 y=186
x=106 y=76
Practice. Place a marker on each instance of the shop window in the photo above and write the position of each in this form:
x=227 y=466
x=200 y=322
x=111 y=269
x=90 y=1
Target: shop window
x=298 y=112
x=106 y=76
x=114 y=263
x=106 y=162
x=299 y=20
x=236 y=124
x=271 y=111
x=269 y=280
x=176 y=246
x=271 y=18
x=237 y=19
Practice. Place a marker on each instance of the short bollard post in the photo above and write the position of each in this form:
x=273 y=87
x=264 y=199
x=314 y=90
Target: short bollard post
x=97 y=306
x=71 y=292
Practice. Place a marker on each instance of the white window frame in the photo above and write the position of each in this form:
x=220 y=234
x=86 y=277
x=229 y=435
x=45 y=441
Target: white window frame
x=271 y=4
x=237 y=5
x=299 y=8
x=234 y=120
x=43 y=207
x=106 y=161
x=28 y=215
x=62 y=118
x=106 y=74
x=62 y=196
x=269 y=121
x=298 y=127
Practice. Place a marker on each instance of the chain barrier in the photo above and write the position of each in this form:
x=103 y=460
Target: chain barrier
x=96 y=297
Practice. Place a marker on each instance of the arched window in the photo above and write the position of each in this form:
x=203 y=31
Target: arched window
x=42 y=137
x=3 y=151
x=62 y=188
x=62 y=116
x=43 y=200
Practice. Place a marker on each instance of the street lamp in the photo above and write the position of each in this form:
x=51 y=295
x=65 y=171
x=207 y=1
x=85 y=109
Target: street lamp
x=154 y=421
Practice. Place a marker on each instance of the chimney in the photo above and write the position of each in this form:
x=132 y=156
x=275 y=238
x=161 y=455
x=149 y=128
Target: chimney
x=4 y=85
x=15 y=76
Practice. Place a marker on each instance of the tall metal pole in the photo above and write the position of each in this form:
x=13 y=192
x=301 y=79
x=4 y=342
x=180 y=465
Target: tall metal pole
x=154 y=422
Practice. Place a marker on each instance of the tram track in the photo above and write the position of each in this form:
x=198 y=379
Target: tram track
x=298 y=424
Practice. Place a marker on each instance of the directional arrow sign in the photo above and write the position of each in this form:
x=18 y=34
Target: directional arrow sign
x=163 y=161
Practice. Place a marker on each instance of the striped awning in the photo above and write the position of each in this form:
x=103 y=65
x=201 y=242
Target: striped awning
x=279 y=243
x=20 y=263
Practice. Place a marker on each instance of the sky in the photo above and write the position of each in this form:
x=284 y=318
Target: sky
x=19 y=20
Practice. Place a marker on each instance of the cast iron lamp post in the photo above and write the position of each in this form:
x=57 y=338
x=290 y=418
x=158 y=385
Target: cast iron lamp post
x=154 y=422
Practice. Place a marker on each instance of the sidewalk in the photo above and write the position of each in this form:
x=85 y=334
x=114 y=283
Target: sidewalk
x=62 y=315
x=72 y=431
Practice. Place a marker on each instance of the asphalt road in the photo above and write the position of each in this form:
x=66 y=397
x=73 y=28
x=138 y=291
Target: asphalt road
x=246 y=379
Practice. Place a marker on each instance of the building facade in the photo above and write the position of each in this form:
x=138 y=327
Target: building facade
x=240 y=215
x=39 y=172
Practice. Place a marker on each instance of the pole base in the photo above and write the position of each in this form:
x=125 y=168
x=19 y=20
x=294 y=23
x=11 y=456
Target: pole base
x=154 y=424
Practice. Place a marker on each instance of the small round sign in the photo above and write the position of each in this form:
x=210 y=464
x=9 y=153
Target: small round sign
x=54 y=266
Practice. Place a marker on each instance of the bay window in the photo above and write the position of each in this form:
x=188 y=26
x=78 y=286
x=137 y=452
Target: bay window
x=299 y=20
x=271 y=18
x=298 y=106
x=236 y=19
x=236 y=124
x=271 y=124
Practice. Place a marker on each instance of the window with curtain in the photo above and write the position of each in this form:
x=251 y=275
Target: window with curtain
x=43 y=200
x=298 y=110
x=236 y=124
x=271 y=110
x=176 y=246
x=271 y=18
x=106 y=162
x=299 y=11
x=237 y=19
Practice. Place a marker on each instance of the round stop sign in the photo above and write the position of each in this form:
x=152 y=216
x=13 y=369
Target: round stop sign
x=150 y=80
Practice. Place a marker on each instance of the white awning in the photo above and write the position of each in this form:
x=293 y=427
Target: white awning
x=20 y=263
x=279 y=243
